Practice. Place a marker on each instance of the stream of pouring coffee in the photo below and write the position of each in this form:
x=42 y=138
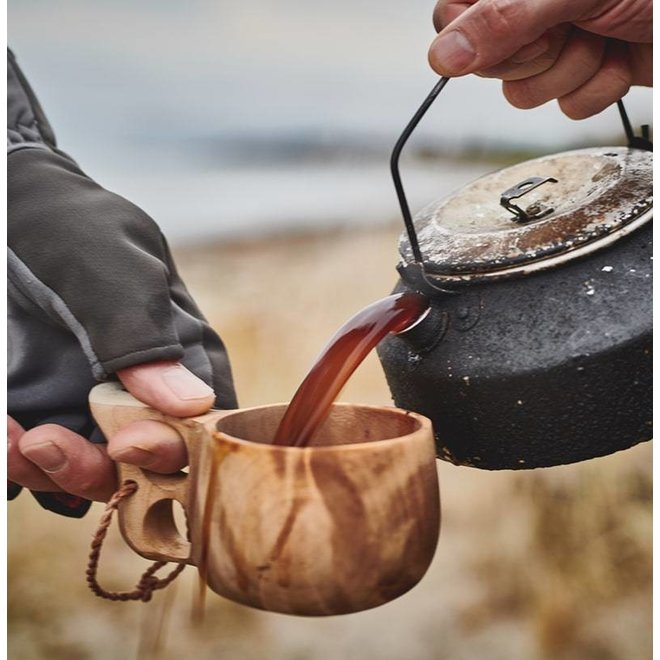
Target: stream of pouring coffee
x=347 y=349
x=311 y=403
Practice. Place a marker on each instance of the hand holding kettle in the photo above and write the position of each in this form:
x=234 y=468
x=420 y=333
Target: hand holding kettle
x=586 y=54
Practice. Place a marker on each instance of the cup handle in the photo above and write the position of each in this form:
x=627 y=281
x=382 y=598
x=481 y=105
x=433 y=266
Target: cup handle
x=146 y=518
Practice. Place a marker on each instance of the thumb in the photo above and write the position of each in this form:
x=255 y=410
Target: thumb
x=490 y=31
x=169 y=387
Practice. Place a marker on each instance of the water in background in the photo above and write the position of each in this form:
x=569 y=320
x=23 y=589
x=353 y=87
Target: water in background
x=240 y=118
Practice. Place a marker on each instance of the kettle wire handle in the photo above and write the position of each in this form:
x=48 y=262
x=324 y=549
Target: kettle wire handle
x=394 y=167
x=634 y=142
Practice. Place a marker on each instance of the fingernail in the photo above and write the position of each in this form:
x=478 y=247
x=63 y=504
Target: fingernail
x=452 y=52
x=185 y=384
x=47 y=455
x=135 y=456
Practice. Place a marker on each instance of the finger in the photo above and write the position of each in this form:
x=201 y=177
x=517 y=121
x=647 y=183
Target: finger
x=579 y=61
x=446 y=11
x=150 y=445
x=641 y=63
x=169 y=387
x=530 y=60
x=608 y=85
x=14 y=429
x=73 y=463
x=630 y=21
x=19 y=469
x=491 y=31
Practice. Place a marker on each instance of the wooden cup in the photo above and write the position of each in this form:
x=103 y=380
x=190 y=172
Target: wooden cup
x=345 y=524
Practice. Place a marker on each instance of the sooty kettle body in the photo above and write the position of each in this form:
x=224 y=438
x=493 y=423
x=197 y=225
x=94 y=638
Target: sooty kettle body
x=537 y=347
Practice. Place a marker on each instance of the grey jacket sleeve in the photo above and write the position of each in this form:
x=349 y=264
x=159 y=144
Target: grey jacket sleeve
x=92 y=286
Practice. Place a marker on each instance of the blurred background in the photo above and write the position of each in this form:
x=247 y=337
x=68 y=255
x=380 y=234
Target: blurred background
x=258 y=136
x=230 y=118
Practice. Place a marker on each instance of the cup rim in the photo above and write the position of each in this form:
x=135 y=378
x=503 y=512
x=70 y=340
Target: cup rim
x=423 y=425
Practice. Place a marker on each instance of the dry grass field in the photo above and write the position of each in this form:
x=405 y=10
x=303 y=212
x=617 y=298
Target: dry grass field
x=550 y=564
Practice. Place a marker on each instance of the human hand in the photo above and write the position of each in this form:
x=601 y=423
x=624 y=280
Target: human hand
x=51 y=458
x=93 y=291
x=584 y=53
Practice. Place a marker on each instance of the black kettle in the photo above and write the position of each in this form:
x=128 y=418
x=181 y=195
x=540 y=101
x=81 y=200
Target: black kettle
x=536 y=350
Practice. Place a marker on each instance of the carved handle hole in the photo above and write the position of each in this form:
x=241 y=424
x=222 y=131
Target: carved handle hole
x=164 y=522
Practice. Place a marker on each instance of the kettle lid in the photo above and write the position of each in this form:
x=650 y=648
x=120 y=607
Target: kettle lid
x=535 y=215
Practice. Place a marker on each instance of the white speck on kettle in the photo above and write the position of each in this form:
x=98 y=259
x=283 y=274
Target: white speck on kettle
x=519 y=402
x=590 y=288
x=607 y=269
x=466 y=380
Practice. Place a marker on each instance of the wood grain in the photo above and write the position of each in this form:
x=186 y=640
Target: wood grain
x=344 y=525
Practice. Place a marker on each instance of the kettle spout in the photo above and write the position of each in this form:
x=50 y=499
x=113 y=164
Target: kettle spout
x=425 y=334
x=414 y=275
